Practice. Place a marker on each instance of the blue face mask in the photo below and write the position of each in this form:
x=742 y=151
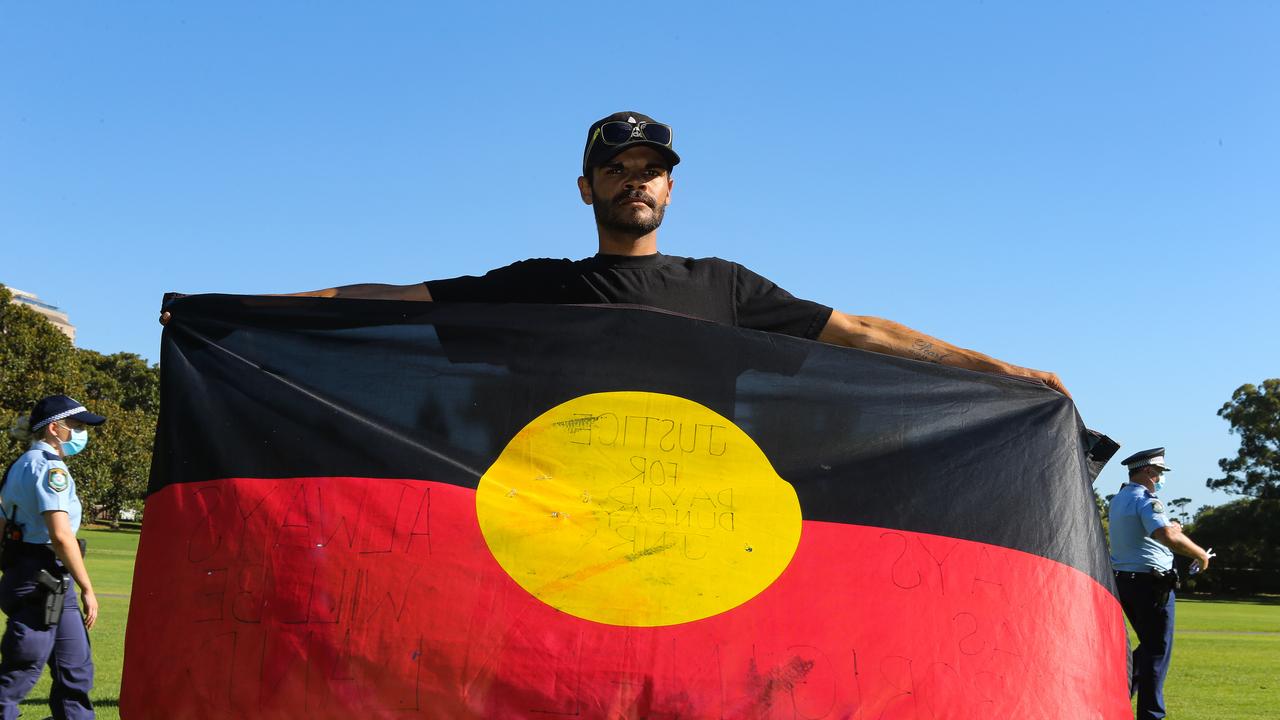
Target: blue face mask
x=1159 y=482
x=76 y=443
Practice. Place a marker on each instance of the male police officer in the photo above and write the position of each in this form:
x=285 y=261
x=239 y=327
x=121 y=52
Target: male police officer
x=1143 y=541
x=626 y=178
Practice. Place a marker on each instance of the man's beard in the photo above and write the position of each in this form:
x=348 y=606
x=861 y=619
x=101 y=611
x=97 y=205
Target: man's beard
x=623 y=219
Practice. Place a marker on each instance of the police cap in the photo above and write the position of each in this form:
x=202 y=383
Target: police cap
x=61 y=407
x=1154 y=456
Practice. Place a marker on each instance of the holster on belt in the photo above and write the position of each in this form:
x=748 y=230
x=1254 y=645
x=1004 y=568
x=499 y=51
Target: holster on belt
x=54 y=588
x=1165 y=583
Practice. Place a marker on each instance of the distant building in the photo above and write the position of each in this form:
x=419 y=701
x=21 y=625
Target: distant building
x=52 y=312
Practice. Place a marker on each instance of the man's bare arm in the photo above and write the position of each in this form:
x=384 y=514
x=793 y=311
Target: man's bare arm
x=372 y=291
x=885 y=336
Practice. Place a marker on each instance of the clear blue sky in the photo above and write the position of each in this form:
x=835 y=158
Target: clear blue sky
x=1091 y=189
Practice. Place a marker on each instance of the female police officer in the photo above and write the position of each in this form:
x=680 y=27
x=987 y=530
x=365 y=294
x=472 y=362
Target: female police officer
x=42 y=515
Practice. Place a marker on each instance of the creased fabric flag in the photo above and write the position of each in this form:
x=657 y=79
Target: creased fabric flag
x=418 y=510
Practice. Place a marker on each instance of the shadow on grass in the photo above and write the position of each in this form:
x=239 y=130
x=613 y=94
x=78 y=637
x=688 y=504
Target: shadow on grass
x=102 y=702
x=1234 y=599
x=124 y=529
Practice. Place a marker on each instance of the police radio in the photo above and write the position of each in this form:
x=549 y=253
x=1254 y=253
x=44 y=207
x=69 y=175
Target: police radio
x=10 y=539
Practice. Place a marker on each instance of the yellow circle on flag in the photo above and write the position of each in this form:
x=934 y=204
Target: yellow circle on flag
x=638 y=509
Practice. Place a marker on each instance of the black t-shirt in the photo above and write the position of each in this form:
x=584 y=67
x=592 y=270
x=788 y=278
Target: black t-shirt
x=706 y=288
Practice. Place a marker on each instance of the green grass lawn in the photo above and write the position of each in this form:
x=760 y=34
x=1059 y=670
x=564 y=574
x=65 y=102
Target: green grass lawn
x=1226 y=660
x=1226 y=657
x=110 y=562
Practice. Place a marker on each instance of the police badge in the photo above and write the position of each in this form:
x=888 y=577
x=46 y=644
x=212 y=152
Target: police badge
x=58 y=479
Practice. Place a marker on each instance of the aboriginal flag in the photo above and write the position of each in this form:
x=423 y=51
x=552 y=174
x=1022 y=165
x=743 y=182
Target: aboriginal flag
x=368 y=509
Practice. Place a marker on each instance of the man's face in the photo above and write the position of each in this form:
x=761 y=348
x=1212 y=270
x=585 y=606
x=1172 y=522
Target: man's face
x=631 y=192
x=1156 y=474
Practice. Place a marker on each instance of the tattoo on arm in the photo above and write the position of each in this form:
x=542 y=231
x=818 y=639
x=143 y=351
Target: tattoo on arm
x=925 y=350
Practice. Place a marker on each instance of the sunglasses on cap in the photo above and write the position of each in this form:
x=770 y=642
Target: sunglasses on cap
x=621 y=131
x=618 y=132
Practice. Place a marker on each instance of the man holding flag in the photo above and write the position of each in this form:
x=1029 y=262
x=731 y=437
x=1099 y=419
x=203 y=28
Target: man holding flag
x=590 y=530
x=626 y=179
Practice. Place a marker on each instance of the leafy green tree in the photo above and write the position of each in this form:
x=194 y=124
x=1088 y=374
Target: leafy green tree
x=1178 y=510
x=1245 y=537
x=112 y=473
x=1254 y=414
x=1104 y=509
x=37 y=360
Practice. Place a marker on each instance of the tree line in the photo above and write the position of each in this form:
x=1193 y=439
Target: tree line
x=36 y=360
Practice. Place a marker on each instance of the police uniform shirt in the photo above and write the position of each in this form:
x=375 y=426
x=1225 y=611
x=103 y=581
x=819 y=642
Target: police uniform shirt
x=1135 y=514
x=38 y=483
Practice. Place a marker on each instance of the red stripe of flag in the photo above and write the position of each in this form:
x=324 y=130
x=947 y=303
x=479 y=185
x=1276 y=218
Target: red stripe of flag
x=349 y=597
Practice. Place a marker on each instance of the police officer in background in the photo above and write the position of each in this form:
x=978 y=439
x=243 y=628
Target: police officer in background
x=1143 y=541
x=41 y=558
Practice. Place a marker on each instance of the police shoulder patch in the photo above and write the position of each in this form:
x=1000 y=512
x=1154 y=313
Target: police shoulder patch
x=58 y=479
x=1157 y=506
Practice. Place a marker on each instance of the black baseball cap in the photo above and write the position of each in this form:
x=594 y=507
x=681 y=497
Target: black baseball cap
x=60 y=407
x=621 y=131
